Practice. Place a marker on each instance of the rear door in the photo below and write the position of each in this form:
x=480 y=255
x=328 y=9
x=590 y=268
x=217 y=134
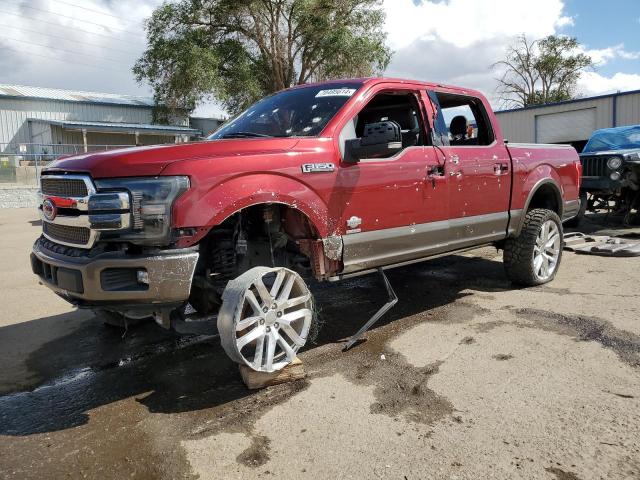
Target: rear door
x=477 y=165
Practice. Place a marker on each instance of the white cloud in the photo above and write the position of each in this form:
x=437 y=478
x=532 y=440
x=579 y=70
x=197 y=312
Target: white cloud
x=457 y=41
x=465 y=22
x=592 y=83
x=603 y=55
x=448 y=41
x=88 y=45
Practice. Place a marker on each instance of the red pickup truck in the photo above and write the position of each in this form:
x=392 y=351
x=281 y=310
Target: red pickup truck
x=329 y=180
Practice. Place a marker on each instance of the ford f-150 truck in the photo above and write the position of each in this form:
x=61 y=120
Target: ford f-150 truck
x=321 y=181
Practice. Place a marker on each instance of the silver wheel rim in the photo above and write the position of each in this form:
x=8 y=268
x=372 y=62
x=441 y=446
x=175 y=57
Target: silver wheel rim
x=546 y=250
x=265 y=318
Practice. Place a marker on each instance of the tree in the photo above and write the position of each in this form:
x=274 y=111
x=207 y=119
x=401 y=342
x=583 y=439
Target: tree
x=237 y=51
x=541 y=71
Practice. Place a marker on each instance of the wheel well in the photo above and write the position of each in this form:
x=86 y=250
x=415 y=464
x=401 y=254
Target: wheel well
x=547 y=197
x=271 y=234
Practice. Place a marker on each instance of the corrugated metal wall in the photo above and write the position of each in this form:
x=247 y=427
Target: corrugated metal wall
x=628 y=109
x=520 y=125
x=14 y=113
x=205 y=125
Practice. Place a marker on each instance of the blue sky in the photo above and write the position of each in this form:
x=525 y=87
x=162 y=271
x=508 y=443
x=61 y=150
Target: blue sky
x=602 y=24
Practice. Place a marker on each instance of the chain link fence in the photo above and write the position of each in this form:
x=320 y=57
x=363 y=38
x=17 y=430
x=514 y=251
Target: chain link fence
x=21 y=164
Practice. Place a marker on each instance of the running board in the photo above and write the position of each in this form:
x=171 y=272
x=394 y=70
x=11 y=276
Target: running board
x=392 y=300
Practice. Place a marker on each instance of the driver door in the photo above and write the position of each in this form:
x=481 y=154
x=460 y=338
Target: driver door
x=393 y=208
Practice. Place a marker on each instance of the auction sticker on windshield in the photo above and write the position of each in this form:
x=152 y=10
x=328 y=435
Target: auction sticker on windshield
x=336 y=92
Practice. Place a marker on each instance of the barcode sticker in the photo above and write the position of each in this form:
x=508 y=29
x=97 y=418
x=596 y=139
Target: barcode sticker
x=336 y=92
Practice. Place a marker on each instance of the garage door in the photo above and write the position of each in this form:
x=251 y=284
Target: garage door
x=566 y=126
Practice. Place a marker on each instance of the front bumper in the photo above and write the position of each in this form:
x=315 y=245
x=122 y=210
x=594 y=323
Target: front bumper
x=600 y=184
x=110 y=278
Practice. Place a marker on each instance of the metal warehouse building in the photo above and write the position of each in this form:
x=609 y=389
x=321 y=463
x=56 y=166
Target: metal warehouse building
x=38 y=121
x=572 y=121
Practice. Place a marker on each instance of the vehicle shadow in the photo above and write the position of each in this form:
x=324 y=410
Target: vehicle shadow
x=93 y=365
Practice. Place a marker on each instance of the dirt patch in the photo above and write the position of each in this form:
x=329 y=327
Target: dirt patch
x=257 y=454
x=467 y=341
x=465 y=312
x=240 y=415
x=587 y=329
x=488 y=326
x=402 y=390
x=503 y=356
x=561 y=474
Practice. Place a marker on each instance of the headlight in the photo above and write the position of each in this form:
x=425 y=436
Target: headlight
x=615 y=176
x=151 y=201
x=614 y=163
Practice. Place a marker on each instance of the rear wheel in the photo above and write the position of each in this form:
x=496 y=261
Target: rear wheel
x=265 y=318
x=533 y=257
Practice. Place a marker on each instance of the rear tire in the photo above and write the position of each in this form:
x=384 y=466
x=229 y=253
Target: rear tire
x=533 y=257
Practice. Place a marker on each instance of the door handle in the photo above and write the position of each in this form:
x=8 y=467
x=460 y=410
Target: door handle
x=435 y=171
x=434 y=174
x=500 y=168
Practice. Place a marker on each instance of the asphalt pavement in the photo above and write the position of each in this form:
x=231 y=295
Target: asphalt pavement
x=467 y=377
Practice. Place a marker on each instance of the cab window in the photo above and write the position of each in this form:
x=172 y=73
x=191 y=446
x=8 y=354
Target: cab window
x=399 y=107
x=464 y=118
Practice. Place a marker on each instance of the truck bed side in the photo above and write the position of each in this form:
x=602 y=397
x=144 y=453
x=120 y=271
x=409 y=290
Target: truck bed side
x=555 y=168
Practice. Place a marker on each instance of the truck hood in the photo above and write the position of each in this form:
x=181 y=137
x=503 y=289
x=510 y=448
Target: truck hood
x=625 y=152
x=152 y=160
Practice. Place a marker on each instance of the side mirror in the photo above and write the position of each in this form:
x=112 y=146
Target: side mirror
x=379 y=140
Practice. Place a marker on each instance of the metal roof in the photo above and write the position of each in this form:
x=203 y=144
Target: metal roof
x=27 y=92
x=121 y=127
x=566 y=102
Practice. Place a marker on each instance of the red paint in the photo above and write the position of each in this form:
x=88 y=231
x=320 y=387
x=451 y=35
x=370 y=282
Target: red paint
x=228 y=175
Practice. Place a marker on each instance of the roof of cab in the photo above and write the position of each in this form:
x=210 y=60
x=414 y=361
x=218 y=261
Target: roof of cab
x=376 y=80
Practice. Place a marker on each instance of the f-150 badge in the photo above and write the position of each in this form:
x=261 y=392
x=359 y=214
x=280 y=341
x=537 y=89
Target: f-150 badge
x=318 y=167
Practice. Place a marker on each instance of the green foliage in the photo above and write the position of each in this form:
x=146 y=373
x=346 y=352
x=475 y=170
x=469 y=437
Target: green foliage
x=542 y=71
x=237 y=51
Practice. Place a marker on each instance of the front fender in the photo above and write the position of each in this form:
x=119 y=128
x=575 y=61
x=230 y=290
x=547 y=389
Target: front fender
x=228 y=197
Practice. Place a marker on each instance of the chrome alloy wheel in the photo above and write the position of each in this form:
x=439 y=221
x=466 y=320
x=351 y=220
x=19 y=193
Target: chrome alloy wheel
x=265 y=318
x=546 y=251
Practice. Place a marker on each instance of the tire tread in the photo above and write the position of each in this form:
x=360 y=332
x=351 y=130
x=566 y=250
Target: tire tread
x=518 y=251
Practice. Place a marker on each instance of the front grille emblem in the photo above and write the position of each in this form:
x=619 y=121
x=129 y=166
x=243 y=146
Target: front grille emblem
x=49 y=209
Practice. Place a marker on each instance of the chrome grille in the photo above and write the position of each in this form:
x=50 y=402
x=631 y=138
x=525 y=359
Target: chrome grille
x=63 y=187
x=66 y=233
x=594 y=166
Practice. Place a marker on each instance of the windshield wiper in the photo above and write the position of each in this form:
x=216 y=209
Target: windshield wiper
x=244 y=135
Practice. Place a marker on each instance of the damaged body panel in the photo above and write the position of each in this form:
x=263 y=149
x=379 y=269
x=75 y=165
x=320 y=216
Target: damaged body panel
x=319 y=181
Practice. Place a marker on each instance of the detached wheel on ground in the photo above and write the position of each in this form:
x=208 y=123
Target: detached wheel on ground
x=265 y=318
x=115 y=319
x=533 y=257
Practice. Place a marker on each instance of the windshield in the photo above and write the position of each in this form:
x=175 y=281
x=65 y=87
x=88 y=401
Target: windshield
x=614 y=139
x=300 y=112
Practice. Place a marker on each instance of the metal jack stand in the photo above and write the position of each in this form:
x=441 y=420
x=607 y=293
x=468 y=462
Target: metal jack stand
x=393 y=299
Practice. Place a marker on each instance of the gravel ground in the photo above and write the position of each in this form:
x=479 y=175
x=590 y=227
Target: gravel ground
x=466 y=378
x=18 y=196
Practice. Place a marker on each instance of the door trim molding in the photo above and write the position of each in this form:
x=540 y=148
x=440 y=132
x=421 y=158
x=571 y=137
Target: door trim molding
x=376 y=248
